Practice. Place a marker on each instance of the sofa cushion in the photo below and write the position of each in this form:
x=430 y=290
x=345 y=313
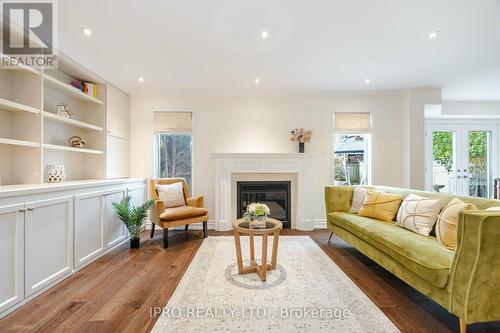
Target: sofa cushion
x=420 y=254
x=380 y=206
x=183 y=212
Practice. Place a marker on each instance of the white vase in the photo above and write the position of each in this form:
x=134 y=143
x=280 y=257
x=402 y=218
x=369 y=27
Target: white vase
x=54 y=173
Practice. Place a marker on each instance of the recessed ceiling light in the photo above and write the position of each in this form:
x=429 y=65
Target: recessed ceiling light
x=434 y=34
x=257 y=80
x=367 y=80
x=87 y=32
x=264 y=34
x=141 y=79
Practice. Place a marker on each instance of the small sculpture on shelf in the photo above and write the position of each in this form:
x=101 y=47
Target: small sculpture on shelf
x=62 y=109
x=76 y=142
x=54 y=173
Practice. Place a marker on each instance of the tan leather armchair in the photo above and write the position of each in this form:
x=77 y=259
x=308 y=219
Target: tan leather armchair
x=193 y=212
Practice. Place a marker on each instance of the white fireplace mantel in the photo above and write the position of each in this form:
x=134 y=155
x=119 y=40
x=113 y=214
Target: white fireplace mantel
x=227 y=164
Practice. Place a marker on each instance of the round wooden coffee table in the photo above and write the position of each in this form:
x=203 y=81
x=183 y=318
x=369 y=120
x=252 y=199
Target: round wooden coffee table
x=272 y=228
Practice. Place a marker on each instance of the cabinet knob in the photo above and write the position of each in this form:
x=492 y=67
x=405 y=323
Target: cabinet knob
x=31 y=209
x=22 y=210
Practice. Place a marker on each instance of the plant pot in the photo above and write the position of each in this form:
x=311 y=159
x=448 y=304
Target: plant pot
x=301 y=147
x=258 y=223
x=135 y=243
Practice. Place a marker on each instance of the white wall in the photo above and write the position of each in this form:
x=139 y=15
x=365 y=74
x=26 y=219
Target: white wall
x=463 y=108
x=228 y=124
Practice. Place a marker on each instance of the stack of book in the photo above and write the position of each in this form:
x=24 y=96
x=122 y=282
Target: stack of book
x=88 y=88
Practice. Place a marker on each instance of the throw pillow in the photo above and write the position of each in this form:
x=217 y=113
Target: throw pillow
x=446 y=226
x=172 y=195
x=493 y=208
x=418 y=214
x=380 y=206
x=358 y=197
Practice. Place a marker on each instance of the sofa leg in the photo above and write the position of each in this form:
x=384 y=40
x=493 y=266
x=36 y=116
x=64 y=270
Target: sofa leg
x=205 y=231
x=165 y=238
x=329 y=238
x=463 y=326
x=186 y=227
x=152 y=230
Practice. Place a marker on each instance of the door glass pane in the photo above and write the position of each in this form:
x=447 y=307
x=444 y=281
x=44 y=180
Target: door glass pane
x=478 y=164
x=443 y=161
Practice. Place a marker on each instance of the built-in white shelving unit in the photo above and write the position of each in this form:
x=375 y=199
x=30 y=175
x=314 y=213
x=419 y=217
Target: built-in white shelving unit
x=72 y=149
x=32 y=134
x=69 y=90
x=60 y=119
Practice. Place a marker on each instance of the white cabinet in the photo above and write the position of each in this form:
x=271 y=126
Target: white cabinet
x=118 y=133
x=11 y=255
x=137 y=195
x=48 y=242
x=89 y=240
x=114 y=229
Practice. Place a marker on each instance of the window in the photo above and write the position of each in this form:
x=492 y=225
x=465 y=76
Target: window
x=351 y=155
x=173 y=145
x=175 y=156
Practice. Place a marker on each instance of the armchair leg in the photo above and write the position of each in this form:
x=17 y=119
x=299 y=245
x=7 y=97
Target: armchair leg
x=152 y=229
x=165 y=238
x=186 y=227
x=205 y=231
x=329 y=238
x=463 y=326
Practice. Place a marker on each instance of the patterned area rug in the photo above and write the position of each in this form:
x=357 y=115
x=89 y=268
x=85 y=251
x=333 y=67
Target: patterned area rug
x=307 y=292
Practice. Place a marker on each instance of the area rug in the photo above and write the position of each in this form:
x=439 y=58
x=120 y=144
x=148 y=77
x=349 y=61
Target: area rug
x=307 y=292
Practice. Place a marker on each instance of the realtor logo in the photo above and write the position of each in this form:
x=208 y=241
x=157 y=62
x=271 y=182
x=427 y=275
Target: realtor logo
x=29 y=33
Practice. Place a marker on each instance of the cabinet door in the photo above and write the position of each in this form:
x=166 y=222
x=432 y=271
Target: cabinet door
x=114 y=229
x=49 y=242
x=89 y=231
x=117 y=160
x=11 y=255
x=137 y=196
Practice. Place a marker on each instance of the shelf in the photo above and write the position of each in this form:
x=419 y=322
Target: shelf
x=70 y=90
x=8 y=105
x=72 y=122
x=72 y=149
x=19 y=143
x=19 y=67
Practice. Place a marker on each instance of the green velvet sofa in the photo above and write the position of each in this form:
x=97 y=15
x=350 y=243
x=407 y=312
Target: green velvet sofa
x=465 y=281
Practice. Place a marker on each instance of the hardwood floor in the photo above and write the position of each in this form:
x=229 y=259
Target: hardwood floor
x=116 y=293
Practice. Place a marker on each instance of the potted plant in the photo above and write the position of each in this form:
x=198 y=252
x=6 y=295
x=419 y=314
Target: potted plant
x=301 y=136
x=133 y=218
x=257 y=214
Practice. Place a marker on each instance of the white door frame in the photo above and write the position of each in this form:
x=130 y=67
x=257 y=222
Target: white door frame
x=461 y=148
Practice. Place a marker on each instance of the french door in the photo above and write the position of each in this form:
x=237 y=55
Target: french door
x=461 y=159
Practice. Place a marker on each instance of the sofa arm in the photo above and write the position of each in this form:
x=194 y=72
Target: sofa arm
x=195 y=202
x=475 y=271
x=338 y=198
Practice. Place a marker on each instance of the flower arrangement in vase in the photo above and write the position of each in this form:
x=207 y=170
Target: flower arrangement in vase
x=257 y=214
x=301 y=136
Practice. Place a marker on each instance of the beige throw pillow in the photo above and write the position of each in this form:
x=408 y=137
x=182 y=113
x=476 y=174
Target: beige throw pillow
x=493 y=209
x=358 y=197
x=418 y=214
x=446 y=227
x=380 y=206
x=172 y=195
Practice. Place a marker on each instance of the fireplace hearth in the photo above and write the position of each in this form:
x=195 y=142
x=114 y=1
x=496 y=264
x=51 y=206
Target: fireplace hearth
x=275 y=194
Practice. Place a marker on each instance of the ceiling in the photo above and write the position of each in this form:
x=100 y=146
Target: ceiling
x=205 y=45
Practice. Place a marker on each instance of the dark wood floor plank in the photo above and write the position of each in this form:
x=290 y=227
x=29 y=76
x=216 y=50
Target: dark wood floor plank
x=116 y=292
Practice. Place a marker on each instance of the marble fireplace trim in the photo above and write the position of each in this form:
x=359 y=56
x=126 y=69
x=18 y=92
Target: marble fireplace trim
x=278 y=177
x=274 y=165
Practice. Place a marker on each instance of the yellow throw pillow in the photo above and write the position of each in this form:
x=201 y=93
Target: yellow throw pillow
x=380 y=206
x=446 y=226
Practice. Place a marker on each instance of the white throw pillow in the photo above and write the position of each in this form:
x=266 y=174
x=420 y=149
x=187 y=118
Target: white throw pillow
x=418 y=214
x=493 y=208
x=358 y=198
x=172 y=195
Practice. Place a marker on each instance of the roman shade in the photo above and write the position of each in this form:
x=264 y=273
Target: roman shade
x=350 y=123
x=172 y=121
